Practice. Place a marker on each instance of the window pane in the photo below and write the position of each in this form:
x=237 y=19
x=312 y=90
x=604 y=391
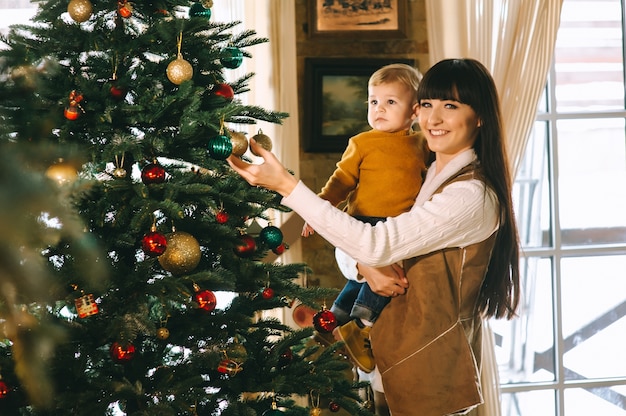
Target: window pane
x=535 y=403
x=596 y=401
x=588 y=57
x=525 y=345
x=592 y=181
x=594 y=311
x=531 y=193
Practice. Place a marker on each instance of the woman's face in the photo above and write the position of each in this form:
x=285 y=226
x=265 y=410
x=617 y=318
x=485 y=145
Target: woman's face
x=450 y=127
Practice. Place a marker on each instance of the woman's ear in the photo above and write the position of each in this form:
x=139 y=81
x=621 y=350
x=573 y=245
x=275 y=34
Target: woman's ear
x=480 y=123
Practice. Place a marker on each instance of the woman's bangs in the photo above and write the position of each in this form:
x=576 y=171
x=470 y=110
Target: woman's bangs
x=438 y=86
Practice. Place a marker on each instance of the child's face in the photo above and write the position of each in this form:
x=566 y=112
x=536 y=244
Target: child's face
x=390 y=107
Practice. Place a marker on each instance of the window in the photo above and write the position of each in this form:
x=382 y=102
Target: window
x=566 y=354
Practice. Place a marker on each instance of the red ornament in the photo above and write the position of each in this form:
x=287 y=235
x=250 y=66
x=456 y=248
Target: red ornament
x=334 y=407
x=205 y=298
x=230 y=367
x=124 y=9
x=285 y=358
x=224 y=90
x=153 y=173
x=72 y=111
x=267 y=293
x=280 y=249
x=122 y=353
x=221 y=217
x=246 y=246
x=154 y=243
x=324 y=321
x=4 y=389
x=118 y=92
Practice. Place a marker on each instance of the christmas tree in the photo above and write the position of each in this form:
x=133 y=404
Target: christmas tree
x=123 y=226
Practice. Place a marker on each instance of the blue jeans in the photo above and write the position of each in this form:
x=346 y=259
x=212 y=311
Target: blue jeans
x=356 y=300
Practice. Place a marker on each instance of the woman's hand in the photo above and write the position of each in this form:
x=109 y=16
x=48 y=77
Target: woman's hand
x=270 y=174
x=389 y=281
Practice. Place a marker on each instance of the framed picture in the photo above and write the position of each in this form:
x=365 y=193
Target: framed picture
x=335 y=100
x=362 y=19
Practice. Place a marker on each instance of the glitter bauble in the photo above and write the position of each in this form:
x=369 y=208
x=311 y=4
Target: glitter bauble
x=80 y=10
x=62 y=173
x=262 y=140
x=272 y=236
x=182 y=254
x=179 y=71
x=240 y=143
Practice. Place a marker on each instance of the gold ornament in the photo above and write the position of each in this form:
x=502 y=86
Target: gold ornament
x=182 y=254
x=25 y=77
x=263 y=140
x=80 y=10
x=315 y=403
x=179 y=70
x=207 y=4
x=62 y=172
x=240 y=143
x=163 y=333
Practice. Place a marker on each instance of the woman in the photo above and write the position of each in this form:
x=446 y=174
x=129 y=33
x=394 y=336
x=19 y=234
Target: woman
x=460 y=239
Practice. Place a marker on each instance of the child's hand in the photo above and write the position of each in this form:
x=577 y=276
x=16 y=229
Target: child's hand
x=307 y=230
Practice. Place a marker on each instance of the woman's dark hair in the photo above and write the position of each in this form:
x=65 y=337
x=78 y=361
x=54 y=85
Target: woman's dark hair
x=469 y=82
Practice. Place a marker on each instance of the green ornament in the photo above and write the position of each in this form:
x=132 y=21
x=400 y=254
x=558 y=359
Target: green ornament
x=198 y=10
x=272 y=236
x=231 y=57
x=220 y=147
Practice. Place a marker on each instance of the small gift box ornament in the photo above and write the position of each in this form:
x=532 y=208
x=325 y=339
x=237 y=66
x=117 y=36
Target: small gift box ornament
x=86 y=306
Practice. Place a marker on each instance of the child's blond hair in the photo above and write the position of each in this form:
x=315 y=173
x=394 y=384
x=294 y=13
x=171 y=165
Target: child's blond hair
x=403 y=73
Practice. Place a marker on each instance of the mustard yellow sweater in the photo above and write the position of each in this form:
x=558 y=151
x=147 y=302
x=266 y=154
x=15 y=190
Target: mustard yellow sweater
x=379 y=174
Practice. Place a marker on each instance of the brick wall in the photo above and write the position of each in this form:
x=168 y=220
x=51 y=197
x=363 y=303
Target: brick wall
x=315 y=168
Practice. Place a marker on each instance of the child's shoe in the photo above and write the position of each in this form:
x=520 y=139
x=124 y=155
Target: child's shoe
x=357 y=344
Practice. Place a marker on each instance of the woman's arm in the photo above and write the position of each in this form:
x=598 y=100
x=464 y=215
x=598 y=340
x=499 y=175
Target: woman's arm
x=462 y=214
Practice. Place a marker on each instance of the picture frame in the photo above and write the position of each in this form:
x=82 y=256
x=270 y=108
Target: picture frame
x=366 y=19
x=335 y=100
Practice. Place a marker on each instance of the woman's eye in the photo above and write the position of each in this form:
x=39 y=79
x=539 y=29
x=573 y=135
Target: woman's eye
x=425 y=104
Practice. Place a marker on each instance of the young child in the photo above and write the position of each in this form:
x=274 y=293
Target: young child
x=379 y=175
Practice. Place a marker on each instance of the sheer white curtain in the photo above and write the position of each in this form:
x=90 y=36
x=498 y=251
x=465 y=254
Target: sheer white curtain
x=513 y=38
x=274 y=85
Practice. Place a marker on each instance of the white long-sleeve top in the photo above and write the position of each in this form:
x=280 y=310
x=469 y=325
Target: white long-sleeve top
x=464 y=213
